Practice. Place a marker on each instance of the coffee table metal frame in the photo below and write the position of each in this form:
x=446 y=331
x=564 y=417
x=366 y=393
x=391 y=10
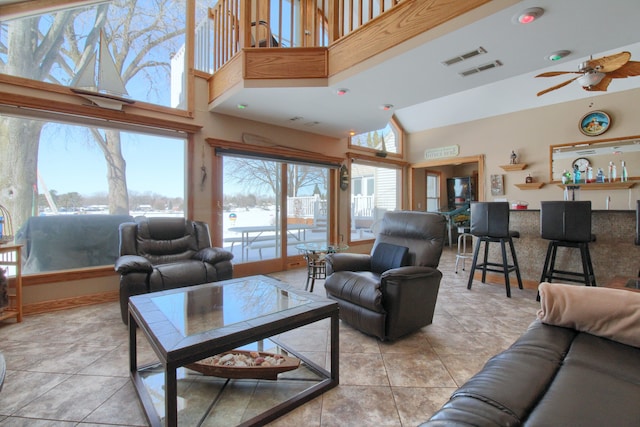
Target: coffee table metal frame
x=175 y=350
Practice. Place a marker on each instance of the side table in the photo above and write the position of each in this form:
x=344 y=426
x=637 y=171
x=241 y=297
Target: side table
x=11 y=257
x=314 y=253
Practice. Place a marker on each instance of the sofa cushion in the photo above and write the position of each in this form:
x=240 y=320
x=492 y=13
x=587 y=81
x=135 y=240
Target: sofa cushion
x=387 y=256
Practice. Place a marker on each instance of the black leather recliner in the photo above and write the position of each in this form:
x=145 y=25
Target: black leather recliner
x=166 y=253
x=392 y=291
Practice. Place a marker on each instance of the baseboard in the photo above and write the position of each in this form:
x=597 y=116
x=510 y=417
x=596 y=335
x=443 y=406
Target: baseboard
x=498 y=279
x=66 y=303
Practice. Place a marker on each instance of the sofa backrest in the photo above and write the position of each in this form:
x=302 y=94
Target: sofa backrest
x=423 y=233
x=163 y=240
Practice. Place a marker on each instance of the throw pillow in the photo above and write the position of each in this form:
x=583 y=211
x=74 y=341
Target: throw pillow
x=387 y=256
x=605 y=312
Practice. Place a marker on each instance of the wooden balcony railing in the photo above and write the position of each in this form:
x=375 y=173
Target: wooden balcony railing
x=238 y=24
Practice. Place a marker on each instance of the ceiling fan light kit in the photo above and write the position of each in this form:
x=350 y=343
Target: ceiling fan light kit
x=590 y=78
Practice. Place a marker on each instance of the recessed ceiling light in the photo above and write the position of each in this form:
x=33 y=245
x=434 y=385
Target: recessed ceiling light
x=342 y=91
x=529 y=15
x=386 y=107
x=559 y=54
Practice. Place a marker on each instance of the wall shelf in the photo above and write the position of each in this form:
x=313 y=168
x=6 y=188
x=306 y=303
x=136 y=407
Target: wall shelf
x=515 y=167
x=603 y=185
x=530 y=185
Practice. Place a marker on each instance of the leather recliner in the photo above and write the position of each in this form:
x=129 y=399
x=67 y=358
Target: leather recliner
x=157 y=254
x=392 y=291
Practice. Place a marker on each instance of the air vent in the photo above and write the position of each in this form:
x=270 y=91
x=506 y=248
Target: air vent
x=480 y=68
x=464 y=56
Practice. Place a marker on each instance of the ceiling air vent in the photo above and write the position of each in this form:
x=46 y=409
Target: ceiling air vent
x=464 y=56
x=480 y=68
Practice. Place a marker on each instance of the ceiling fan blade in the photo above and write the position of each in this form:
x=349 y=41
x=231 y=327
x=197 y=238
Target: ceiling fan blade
x=610 y=63
x=557 y=86
x=600 y=87
x=630 y=69
x=556 y=73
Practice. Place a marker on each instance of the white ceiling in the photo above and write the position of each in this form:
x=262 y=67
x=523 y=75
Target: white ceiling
x=427 y=94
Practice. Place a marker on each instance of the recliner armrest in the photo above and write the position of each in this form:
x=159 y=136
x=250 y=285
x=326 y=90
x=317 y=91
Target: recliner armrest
x=133 y=263
x=347 y=262
x=408 y=273
x=213 y=255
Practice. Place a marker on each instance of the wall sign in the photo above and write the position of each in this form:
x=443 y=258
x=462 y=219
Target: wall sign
x=441 y=152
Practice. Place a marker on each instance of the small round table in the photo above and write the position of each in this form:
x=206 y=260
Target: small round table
x=314 y=253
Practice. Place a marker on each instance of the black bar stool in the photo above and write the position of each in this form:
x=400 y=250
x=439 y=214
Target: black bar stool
x=567 y=224
x=490 y=224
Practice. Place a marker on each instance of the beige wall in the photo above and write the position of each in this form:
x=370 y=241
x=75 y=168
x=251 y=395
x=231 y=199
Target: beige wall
x=530 y=133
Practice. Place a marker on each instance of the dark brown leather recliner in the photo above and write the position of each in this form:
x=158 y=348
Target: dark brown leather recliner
x=392 y=291
x=166 y=253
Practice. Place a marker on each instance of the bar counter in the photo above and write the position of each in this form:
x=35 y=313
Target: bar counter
x=614 y=253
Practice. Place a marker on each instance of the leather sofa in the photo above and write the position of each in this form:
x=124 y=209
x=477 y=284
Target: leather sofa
x=392 y=291
x=166 y=253
x=556 y=375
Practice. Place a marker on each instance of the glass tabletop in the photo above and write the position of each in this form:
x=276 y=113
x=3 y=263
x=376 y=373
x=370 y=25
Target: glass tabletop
x=321 y=247
x=201 y=309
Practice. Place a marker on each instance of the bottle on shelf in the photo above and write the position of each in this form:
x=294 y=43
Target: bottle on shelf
x=528 y=179
x=589 y=175
x=576 y=175
x=565 y=177
x=610 y=173
x=614 y=173
x=600 y=175
x=625 y=176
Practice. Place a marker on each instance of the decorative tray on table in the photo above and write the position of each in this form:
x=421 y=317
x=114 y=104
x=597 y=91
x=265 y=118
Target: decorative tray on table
x=242 y=364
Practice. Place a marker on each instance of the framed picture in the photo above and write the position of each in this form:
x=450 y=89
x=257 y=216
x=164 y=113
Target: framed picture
x=594 y=123
x=497 y=185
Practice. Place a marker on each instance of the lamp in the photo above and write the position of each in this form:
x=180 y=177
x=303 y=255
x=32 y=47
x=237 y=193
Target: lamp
x=344 y=177
x=590 y=78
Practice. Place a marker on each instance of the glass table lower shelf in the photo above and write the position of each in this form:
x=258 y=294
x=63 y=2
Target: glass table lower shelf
x=205 y=400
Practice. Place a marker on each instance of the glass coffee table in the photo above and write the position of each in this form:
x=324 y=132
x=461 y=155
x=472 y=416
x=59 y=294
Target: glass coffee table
x=259 y=314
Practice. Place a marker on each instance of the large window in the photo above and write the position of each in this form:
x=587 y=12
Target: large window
x=72 y=185
x=143 y=49
x=374 y=190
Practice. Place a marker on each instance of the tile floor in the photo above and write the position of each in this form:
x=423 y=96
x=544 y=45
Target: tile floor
x=70 y=368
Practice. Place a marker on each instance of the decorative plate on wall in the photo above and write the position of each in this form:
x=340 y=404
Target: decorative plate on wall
x=594 y=123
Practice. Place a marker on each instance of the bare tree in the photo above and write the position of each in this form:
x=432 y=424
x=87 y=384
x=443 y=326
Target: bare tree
x=254 y=175
x=49 y=50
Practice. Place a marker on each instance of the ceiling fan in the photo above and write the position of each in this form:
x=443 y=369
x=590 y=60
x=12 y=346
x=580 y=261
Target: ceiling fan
x=596 y=74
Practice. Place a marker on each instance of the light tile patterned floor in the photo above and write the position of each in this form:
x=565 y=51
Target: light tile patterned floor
x=70 y=368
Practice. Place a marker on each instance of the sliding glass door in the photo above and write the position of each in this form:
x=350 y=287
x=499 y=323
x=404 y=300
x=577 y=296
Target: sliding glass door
x=271 y=207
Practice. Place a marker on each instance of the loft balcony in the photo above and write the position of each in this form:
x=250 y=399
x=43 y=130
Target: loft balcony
x=278 y=64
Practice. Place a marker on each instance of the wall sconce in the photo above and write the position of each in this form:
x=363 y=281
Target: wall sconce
x=344 y=177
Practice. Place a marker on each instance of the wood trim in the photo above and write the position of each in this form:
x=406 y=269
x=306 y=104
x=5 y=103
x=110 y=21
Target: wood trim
x=285 y=63
x=28 y=85
x=376 y=160
x=46 y=104
x=67 y=275
x=66 y=303
x=29 y=8
x=226 y=77
x=276 y=151
x=401 y=23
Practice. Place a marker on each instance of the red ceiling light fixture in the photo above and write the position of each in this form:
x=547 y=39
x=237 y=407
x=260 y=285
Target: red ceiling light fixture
x=529 y=15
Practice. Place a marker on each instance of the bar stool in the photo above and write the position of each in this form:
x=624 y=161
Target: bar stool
x=490 y=224
x=567 y=224
x=463 y=253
